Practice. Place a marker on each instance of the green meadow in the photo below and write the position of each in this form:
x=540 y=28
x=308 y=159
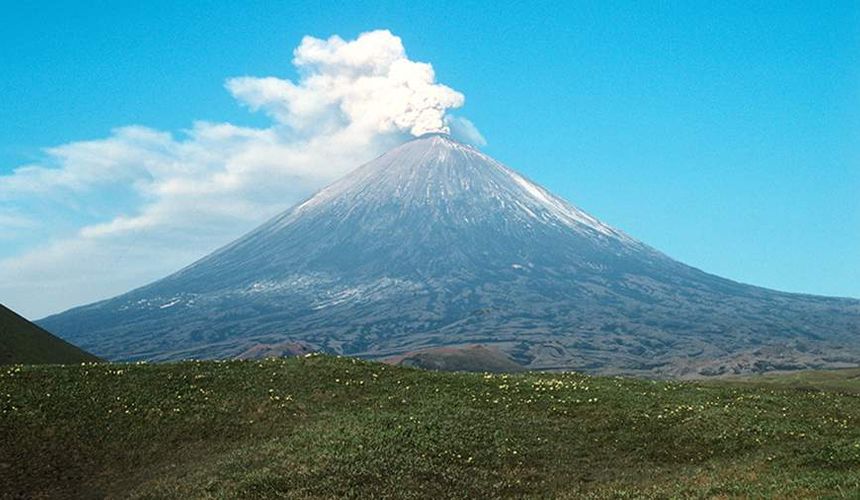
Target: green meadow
x=322 y=427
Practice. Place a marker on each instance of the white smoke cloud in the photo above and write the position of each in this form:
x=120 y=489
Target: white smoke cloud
x=183 y=195
x=367 y=84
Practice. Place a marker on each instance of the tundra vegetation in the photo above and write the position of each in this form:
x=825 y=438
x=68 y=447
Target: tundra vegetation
x=319 y=426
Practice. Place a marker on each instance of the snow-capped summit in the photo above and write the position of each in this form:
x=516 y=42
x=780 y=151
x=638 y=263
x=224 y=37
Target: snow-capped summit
x=435 y=244
x=432 y=170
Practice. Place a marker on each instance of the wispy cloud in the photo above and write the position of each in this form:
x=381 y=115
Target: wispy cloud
x=12 y=224
x=185 y=194
x=465 y=130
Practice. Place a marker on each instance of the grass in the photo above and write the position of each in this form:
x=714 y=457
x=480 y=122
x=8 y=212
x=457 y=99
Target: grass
x=321 y=427
x=842 y=380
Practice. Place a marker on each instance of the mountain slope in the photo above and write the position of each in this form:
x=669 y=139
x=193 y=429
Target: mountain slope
x=434 y=244
x=22 y=342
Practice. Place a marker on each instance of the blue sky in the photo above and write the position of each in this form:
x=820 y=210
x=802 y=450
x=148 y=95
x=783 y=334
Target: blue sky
x=727 y=136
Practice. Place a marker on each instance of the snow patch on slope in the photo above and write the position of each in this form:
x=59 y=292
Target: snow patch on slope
x=568 y=214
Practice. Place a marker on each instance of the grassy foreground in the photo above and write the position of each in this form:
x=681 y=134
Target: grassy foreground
x=324 y=427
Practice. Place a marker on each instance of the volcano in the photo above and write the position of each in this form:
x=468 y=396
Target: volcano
x=435 y=245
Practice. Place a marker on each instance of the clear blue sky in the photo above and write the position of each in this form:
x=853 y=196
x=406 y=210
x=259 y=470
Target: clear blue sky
x=727 y=136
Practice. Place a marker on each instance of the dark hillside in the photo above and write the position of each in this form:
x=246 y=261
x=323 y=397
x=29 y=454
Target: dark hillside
x=23 y=342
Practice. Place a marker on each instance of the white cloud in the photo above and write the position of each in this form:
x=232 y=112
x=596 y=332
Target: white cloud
x=366 y=86
x=194 y=191
x=76 y=167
